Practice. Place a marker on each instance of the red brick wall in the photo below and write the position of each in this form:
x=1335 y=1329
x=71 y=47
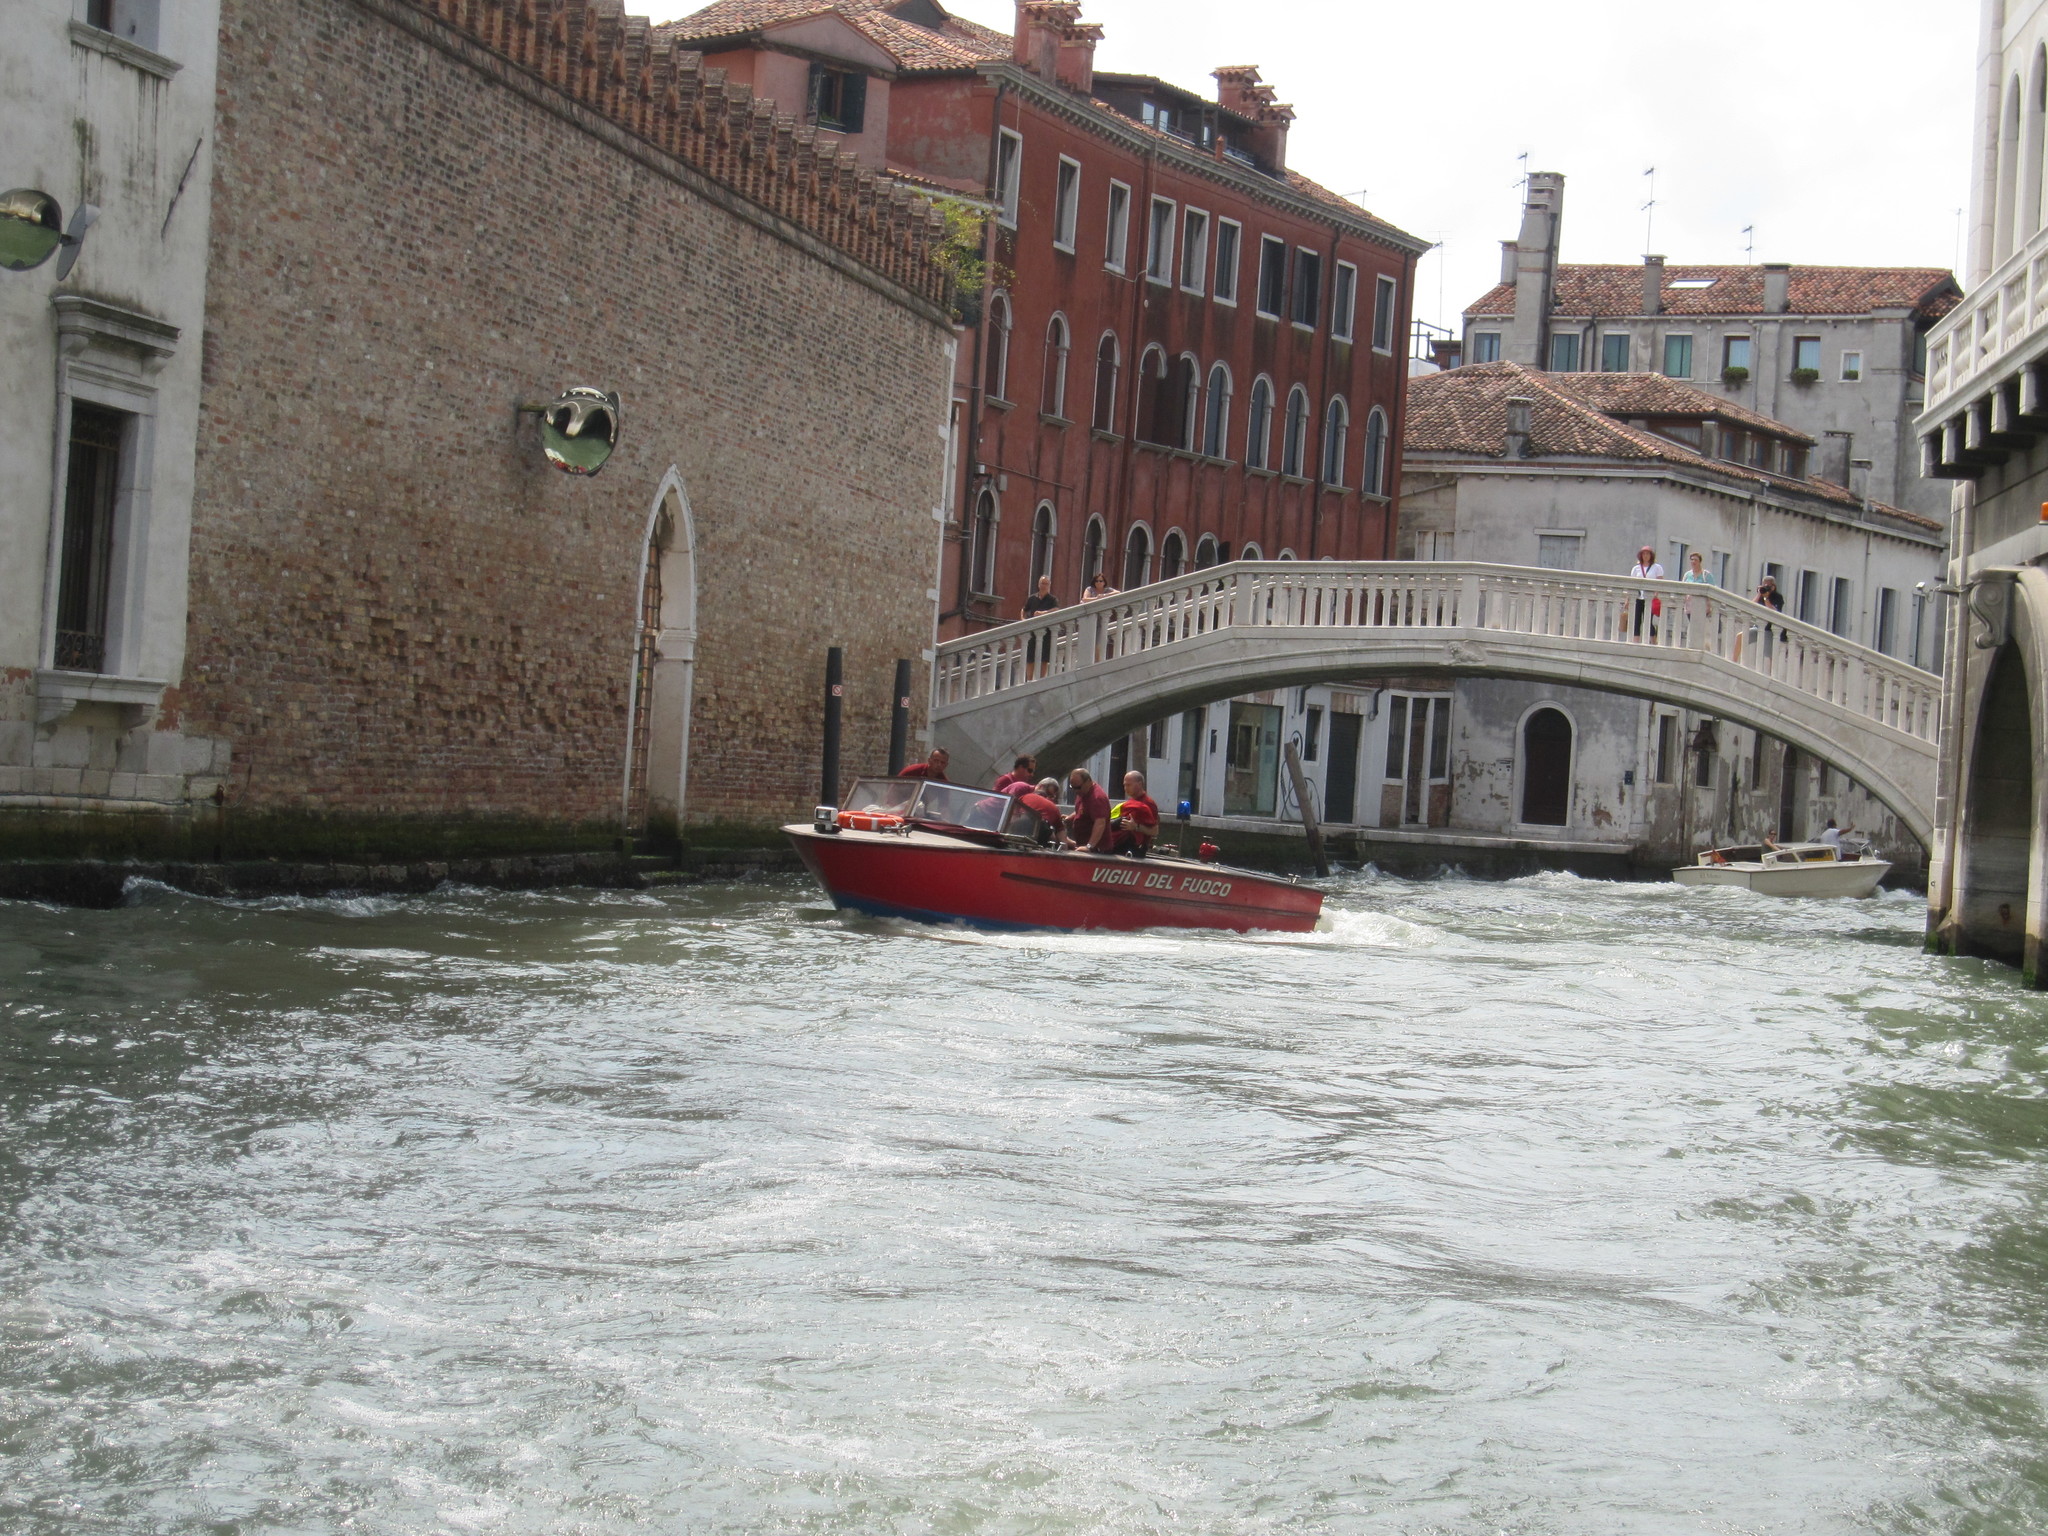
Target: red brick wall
x=396 y=606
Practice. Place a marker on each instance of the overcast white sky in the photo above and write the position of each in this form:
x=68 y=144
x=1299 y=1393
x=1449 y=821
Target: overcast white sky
x=1838 y=128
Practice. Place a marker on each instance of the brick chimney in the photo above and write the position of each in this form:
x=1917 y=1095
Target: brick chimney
x=1653 y=285
x=1520 y=408
x=1054 y=43
x=1528 y=339
x=1777 y=287
x=1239 y=90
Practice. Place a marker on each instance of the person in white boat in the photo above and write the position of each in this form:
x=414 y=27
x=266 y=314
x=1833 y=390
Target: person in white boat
x=1833 y=835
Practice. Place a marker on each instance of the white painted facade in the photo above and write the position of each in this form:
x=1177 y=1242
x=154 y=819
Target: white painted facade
x=112 y=105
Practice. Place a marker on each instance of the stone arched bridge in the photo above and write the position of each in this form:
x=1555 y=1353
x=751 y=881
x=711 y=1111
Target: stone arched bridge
x=1108 y=667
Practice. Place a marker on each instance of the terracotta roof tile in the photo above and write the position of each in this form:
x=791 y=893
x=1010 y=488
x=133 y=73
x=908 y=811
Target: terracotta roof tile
x=1617 y=290
x=958 y=45
x=1464 y=411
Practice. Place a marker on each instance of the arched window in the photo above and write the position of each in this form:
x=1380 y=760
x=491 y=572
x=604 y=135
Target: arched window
x=1258 y=439
x=1546 y=768
x=981 y=545
x=996 y=376
x=1152 y=396
x=1045 y=525
x=1108 y=358
x=1216 y=413
x=1091 y=550
x=1185 y=387
x=1205 y=552
x=1285 y=554
x=1250 y=552
x=1375 y=479
x=1294 y=437
x=2032 y=149
x=1053 y=393
x=1173 y=556
x=1336 y=434
x=1138 y=557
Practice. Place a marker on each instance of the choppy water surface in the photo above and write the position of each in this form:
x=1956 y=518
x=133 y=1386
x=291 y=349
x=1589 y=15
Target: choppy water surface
x=1550 y=1206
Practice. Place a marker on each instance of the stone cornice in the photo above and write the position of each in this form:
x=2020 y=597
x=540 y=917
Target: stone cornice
x=1733 y=487
x=1084 y=113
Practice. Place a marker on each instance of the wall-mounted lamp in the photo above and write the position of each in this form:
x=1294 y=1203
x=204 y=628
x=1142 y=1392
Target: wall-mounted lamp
x=579 y=429
x=32 y=230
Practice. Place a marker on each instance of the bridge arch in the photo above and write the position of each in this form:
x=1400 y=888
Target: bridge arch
x=1248 y=627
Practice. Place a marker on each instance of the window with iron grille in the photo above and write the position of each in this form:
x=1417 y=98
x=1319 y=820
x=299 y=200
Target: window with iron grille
x=92 y=493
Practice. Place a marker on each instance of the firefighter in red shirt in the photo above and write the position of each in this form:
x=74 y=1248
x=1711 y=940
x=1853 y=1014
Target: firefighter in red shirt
x=1088 y=825
x=1137 y=818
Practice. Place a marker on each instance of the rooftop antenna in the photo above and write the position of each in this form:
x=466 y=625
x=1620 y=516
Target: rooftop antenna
x=1522 y=182
x=1749 y=243
x=1650 y=212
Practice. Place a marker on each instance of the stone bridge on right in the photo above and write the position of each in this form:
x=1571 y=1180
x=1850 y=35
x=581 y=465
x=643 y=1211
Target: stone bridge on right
x=1064 y=685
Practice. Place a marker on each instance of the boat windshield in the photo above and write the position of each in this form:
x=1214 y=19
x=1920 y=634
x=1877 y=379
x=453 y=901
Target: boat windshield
x=944 y=805
x=954 y=805
x=889 y=796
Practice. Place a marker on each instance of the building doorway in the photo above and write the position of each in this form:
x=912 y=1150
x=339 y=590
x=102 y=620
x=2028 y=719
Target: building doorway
x=1547 y=769
x=1998 y=830
x=1192 y=725
x=1251 y=761
x=1340 y=787
x=1790 y=801
x=1417 y=791
x=664 y=669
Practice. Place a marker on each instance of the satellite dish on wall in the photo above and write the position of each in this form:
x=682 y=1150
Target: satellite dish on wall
x=579 y=429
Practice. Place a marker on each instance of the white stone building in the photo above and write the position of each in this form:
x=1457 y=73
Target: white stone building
x=1837 y=352
x=1985 y=430
x=1509 y=465
x=107 y=103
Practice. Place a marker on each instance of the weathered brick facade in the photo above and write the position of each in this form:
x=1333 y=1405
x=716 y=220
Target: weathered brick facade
x=396 y=606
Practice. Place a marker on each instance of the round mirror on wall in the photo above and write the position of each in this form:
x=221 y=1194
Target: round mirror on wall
x=579 y=429
x=31 y=229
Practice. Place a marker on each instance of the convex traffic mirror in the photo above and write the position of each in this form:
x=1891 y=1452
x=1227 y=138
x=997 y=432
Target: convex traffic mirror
x=32 y=226
x=579 y=429
x=31 y=229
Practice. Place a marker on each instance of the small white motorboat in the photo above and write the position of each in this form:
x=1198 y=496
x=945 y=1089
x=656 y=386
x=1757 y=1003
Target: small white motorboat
x=1792 y=869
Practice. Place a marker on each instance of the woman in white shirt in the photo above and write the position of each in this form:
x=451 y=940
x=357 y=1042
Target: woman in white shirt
x=1647 y=569
x=1697 y=574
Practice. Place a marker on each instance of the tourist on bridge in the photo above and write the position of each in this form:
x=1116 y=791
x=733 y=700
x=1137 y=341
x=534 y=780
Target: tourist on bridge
x=1041 y=601
x=1098 y=586
x=1769 y=596
x=933 y=767
x=1137 y=818
x=1648 y=569
x=1088 y=823
x=1696 y=574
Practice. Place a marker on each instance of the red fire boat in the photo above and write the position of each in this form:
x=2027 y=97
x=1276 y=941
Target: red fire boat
x=941 y=853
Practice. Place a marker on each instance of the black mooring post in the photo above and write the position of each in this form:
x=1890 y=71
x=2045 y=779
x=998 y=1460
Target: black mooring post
x=835 y=701
x=899 y=720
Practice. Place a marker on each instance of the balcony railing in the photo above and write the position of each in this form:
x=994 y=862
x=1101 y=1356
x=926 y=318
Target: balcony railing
x=1978 y=341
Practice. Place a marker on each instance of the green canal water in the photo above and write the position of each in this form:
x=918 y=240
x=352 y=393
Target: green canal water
x=1547 y=1206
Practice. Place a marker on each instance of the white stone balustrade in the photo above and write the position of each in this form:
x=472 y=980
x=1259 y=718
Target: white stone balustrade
x=1064 y=684
x=1992 y=332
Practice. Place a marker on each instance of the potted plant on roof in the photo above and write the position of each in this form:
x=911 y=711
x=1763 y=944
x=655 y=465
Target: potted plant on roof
x=1805 y=375
x=1735 y=373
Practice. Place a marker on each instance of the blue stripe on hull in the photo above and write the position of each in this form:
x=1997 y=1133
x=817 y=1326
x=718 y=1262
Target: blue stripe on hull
x=918 y=915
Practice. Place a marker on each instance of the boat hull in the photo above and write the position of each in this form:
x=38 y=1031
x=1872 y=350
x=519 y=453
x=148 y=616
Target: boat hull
x=935 y=879
x=1859 y=877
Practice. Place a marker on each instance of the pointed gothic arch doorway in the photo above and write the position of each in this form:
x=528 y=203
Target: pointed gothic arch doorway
x=664 y=667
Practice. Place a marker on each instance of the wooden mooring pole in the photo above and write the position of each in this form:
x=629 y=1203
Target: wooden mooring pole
x=1308 y=817
x=835 y=703
x=899 y=721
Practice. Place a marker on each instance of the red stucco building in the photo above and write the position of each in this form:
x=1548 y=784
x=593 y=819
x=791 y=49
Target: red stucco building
x=1184 y=352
